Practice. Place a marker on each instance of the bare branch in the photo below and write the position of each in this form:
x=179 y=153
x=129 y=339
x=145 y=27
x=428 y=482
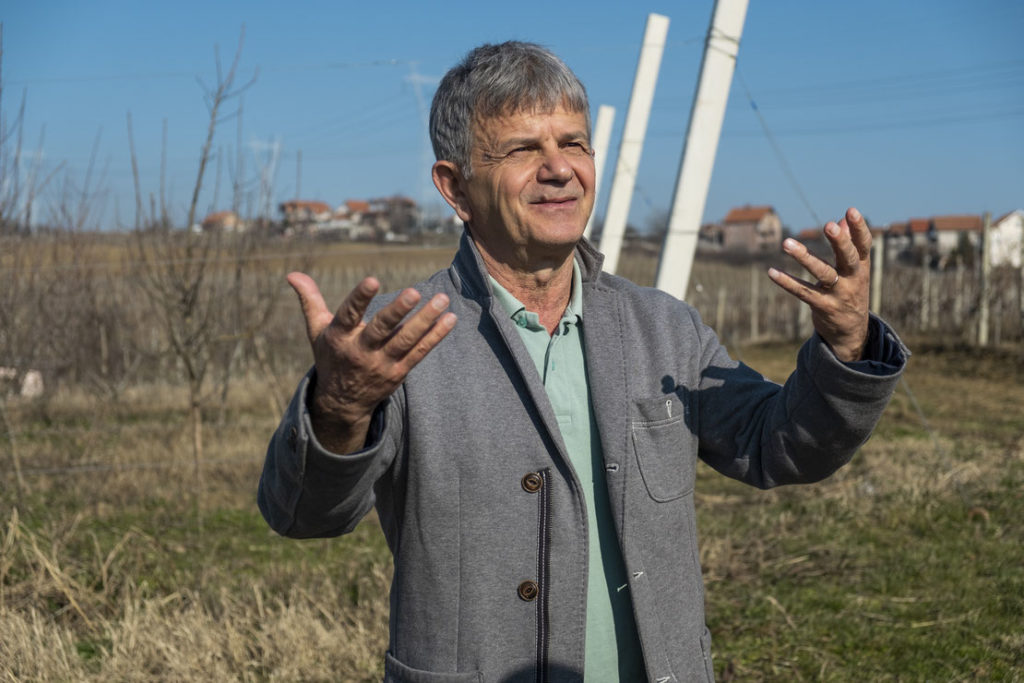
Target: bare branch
x=163 y=173
x=135 y=174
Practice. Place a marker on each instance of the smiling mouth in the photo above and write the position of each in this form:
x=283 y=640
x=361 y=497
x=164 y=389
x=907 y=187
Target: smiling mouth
x=555 y=200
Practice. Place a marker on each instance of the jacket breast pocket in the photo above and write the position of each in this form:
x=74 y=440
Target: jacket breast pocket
x=664 y=441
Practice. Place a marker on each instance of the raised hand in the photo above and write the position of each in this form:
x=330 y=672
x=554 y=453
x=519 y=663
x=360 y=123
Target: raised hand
x=839 y=298
x=359 y=364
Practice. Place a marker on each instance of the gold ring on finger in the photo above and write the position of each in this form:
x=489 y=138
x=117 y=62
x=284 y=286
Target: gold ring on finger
x=829 y=285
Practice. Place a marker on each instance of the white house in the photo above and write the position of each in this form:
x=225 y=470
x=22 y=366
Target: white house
x=1006 y=237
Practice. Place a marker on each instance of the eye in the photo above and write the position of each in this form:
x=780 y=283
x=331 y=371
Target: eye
x=518 y=152
x=576 y=147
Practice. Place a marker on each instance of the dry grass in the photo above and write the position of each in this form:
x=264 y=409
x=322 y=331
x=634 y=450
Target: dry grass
x=900 y=567
x=903 y=566
x=185 y=636
x=104 y=576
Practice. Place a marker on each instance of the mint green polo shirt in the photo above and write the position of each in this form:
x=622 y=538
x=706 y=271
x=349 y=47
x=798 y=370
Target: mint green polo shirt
x=612 y=648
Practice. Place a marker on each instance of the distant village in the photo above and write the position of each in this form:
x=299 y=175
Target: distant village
x=938 y=241
x=745 y=231
x=388 y=219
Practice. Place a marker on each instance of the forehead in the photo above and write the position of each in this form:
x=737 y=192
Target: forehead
x=558 y=121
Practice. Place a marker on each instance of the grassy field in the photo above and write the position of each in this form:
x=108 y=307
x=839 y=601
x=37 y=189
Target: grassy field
x=905 y=566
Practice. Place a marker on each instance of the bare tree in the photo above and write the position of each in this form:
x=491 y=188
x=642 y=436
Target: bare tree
x=181 y=273
x=19 y=297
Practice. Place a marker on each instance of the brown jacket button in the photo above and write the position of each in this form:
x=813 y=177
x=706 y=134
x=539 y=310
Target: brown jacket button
x=528 y=591
x=532 y=482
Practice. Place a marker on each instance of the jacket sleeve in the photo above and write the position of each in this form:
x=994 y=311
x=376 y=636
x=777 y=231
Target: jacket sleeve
x=765 y=434
x=307 y=491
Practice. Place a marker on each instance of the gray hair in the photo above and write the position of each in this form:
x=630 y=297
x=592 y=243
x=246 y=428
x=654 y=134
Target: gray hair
x=495 y=80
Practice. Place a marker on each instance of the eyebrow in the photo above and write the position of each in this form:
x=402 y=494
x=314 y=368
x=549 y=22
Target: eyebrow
x=527 y=140
x=521 y=141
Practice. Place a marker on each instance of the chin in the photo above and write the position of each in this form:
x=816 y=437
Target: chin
x=566 y=238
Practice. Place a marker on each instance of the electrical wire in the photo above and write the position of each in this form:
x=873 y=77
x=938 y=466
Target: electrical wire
x=777 y=149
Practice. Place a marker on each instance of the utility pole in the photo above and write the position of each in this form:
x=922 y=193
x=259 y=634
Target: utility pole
x=706 y=116
x=422 y=188
x=633 y=139
x=602 y=135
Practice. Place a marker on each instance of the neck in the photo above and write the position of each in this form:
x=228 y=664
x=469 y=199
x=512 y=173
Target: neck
x=543 y=288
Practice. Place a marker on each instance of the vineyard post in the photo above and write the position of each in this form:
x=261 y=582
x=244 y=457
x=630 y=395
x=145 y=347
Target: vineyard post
x=755 y=287
x=877 y=266
x=926 y=282
x=986 y=281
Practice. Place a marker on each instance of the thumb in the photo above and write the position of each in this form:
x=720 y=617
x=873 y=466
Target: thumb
x=314 y=308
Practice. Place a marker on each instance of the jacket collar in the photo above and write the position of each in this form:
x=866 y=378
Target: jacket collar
x=470 y=275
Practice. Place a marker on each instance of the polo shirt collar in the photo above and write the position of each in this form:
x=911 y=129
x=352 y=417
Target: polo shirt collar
x=530 y=320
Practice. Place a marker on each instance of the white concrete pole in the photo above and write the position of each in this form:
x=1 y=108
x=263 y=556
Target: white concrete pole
x=706 y=116
x=633 y=139
x=599 y=143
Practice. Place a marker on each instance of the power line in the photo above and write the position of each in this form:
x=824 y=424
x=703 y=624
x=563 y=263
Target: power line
x=901 y=80
x=778 y=150
x=886 y=89
x=861 y=126
x=890 y=125
x=165 y=75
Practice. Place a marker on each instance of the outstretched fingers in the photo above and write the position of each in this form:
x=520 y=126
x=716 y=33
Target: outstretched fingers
x=824 y=272
x=350 y=314
x=388 y=320
x=839 y=297
x=314 y=308
x=860 y=233
x=801 y=289
x=421 y=332
x=851 y=242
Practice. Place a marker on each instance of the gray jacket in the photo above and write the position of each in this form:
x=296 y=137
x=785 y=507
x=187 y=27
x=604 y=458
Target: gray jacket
x=484 y=515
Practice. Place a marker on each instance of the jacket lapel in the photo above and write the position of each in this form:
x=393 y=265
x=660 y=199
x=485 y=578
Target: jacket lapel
x=609 y=393
x=474 y=283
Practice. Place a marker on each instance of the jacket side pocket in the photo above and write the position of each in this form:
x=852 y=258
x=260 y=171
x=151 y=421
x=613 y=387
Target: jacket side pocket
x=705 y=648
x=396 y=672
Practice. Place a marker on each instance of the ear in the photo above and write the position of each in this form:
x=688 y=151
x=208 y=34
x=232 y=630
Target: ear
x=450 y=183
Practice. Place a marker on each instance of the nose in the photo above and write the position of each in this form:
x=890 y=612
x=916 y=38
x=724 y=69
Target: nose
x=555 y=167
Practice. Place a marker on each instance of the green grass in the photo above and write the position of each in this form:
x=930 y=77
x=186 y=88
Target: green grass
x=908 y=565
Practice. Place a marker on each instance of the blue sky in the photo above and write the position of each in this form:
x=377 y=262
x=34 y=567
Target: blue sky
x=903 y=109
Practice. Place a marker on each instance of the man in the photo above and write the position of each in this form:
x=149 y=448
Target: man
x=533 y=465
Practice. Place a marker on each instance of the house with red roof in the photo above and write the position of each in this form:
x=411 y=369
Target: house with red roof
x=745 y=229
x=941 y=238
x=223 y=221
x=956 y=234
x=303 y=212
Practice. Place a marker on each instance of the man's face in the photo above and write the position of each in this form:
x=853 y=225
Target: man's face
x=532 y=187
